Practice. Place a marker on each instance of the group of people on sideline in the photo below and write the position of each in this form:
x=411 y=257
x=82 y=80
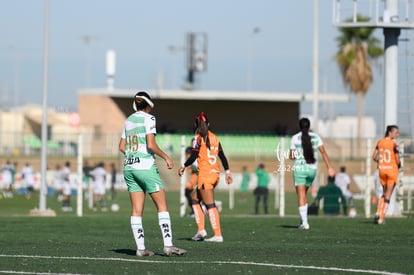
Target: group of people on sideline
x=59 y=182
x=11 y=180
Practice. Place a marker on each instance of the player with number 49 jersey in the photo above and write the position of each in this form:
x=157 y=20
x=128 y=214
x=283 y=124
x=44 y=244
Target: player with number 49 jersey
x=136 y=127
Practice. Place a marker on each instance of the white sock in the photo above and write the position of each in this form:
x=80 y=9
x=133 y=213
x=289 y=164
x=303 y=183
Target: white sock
x=303 y=212
x=165 y=226
x=138 y=232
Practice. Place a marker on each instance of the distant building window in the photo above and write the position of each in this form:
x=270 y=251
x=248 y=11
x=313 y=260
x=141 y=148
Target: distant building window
x=97 y=131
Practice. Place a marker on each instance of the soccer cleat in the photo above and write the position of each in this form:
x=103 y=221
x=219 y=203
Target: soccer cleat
x=381 y=221
x=215 y=239
x=304 y=226
x=199 y=236
x=172 y=250
x=376 y=219
x=144 y=253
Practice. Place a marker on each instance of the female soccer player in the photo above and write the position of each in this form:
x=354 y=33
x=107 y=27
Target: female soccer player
x=388 y=157
x=141 y=173
x=303 y=149
x=206 y=149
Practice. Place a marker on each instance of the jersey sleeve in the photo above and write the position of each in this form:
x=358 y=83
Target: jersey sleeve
x=292 y=143
x=319 y=141
x=123 y=134
x=150 y=125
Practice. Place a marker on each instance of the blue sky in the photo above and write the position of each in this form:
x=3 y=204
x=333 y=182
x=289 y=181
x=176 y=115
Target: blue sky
x=141 y=31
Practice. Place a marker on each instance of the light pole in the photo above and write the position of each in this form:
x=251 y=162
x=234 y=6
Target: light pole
x=42 y=211
x=255 y=31
x=315 y=66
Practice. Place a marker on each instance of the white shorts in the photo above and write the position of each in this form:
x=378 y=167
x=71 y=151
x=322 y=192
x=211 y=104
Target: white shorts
x=66 y=189
x=99 y=189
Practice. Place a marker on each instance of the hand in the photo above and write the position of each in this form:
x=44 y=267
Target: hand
x=229 y=178
x=181 y=171
x=169 y=162
x=331 y=172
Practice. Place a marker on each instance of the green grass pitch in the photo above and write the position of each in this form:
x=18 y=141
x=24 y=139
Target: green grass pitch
x=102 y=243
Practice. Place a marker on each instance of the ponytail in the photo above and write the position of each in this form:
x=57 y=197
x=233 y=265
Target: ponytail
x=308 y=153
x=202 y=125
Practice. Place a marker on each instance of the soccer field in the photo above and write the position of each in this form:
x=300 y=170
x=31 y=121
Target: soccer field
x=101 y=243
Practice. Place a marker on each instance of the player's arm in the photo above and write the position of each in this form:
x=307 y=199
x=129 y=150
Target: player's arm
x=375 y=154
x=121 y=145
x=153 y=146
x=331 y=171
x=189 y=161
x=225 y=163
x=397 y=156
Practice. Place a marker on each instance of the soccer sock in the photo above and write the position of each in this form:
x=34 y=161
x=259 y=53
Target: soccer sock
x=214 y=217
x=380 y=206
x=384 y=209
x=198 y=216
x=138 y=232
x=303 y=212
x=165 y=226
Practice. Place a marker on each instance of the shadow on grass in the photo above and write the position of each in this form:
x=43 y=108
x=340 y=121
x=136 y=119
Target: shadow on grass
x=129 y=252
x=289 y=226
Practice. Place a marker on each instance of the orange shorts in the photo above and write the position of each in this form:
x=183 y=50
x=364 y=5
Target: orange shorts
x=208 y=182
x=388 y=176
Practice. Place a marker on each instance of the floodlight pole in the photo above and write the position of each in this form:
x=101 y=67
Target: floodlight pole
x=315 y=67
x=391 y=64
x=43 y=185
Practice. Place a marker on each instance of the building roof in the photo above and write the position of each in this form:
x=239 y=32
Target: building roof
x=268 y=96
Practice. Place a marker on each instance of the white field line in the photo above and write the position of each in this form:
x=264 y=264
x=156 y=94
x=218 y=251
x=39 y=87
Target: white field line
x=351 y=270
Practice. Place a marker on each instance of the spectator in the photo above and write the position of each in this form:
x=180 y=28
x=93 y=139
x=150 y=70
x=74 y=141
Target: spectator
x=98 y=175
x=343 y=181
x=113 y=181
x=57 y=182
x=28 y=178
x=332 y=196
x=261 y=192
x=66 y=187
x=7 y=179
x=244 y=185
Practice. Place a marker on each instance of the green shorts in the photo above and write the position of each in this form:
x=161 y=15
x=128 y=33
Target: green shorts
x=304 y=176
x=147 y=181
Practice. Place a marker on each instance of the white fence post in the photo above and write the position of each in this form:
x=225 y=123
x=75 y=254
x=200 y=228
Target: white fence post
x=367 y=182
x=282 y=179
x=79 y=199
x=183 y=179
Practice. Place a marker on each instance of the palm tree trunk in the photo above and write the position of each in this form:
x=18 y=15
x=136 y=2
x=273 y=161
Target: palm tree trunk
x=360 y=114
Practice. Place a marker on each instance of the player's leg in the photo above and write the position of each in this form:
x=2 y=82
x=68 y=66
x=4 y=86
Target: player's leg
x=137 y=198
x=199 y=217
x=265 y=196
x=207 y=196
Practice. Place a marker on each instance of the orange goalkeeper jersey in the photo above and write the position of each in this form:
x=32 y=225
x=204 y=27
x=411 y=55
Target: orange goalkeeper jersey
x=387 y=149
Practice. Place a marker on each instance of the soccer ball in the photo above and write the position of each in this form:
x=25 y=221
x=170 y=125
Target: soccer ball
x=352 y=212
x=115 y=207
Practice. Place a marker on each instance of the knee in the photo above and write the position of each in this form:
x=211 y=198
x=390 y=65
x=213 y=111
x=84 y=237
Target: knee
x=211 y=205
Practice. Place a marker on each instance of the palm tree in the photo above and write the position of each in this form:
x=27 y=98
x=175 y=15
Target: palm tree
x=357 y=47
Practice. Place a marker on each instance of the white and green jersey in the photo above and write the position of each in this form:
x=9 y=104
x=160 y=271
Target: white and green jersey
x=136 y=128
x=296 y=145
